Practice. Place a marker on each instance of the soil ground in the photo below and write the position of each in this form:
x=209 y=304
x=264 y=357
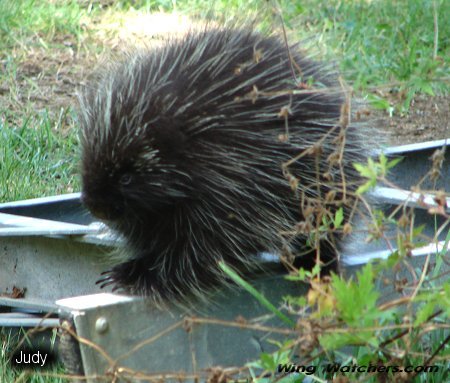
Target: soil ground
x=427 y=119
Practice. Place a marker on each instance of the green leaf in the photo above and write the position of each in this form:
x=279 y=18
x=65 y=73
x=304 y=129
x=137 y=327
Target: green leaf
x=383 y=160
x=365 y=187
x=424 y=313
x=356 y=301
x=363 y=170
x=302 y=276
x=426 y=88
x=338 y=218
x=316 y=270
x=268 y=361
x=378 y=102
x=394 y=162
x=338 y=340
x=418 y=230
x=291 y=378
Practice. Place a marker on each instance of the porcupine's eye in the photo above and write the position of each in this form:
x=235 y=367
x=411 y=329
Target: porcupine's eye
x=125 y=179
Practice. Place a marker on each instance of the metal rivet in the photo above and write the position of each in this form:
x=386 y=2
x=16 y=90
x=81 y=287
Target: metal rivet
x=101 y=325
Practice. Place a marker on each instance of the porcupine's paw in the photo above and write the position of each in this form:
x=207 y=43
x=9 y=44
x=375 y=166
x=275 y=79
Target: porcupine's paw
x=131 y=277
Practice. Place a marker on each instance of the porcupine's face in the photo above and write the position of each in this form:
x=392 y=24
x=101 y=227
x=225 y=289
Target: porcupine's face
x=109 y=184
x=130 y=168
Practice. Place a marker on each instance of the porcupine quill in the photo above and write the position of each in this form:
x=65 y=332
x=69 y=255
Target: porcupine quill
x=208 y=149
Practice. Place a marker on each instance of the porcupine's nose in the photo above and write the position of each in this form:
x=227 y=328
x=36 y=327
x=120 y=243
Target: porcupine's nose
x=103 y=210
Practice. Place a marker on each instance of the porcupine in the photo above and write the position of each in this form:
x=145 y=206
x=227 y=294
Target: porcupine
x=183 y=149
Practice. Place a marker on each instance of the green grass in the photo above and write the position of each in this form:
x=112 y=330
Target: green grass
x=21 y=20
x=37 y=159
x=385 y=43
x=377 y=43
x=396 y=45
x=38 y=152
x=8 y=342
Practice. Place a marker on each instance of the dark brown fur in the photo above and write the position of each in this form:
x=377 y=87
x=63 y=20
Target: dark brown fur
x=183 y=150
